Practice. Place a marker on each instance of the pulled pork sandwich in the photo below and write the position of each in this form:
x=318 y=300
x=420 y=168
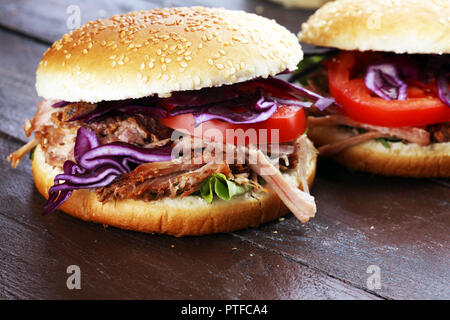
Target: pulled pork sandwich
x=137 y=107
x=387 y=69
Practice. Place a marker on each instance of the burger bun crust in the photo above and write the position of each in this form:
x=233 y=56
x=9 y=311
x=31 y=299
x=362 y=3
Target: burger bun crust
x=400 y=26
x=160 y=51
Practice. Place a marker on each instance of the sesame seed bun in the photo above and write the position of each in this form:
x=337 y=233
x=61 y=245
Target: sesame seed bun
x=164 y=50
x=190 y=215
x=400 y=26
x=400 y=159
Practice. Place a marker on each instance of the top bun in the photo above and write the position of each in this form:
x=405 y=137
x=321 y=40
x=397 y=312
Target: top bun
x=164 y=50
x=400 y=26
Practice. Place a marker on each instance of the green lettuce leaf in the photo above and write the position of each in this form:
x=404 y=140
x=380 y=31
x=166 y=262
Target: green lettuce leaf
x=31 y=154
x=225 y=189
x=384 y=143
x=306 y=66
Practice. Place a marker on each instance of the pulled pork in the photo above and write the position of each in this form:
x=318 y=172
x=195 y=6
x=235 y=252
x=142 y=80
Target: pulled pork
x=151 y=181
x=439 y=132
x=56 y=132
x=421 y=136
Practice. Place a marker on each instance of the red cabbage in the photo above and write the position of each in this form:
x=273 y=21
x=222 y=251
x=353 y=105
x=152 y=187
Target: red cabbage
x=98 y=165
x=442 y=85
x=60 y=104
x=205 y=96
x=217 y=102
x=273 y=87
x=282 y=89
x=270 y=93
x=257 y=108
x=291 y=102
x=122 y=107
x=260 y=111
x=384 y=81
x=385 y=78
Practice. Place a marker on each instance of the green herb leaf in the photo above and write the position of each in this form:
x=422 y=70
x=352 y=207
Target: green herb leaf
x=218 y=184
x=308 y=65
x=384 y=143
x=31 y=154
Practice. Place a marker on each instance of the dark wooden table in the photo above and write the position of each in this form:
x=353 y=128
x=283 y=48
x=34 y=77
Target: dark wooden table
x=400 y=226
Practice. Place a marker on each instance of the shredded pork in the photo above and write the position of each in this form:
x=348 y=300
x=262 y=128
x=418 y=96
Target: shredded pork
x=155 y=180
x=410 y=134
x=334 y=148
x=301 y=203
x=420 y=136
x=176 y=178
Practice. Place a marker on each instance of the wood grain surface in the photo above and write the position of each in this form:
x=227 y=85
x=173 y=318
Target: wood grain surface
x=399 y=225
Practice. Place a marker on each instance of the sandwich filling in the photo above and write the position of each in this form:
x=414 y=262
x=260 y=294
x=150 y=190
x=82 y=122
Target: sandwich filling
x=150 y=148
x=388 y=97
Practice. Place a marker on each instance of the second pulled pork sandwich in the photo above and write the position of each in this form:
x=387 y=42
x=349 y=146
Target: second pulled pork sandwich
x=389 y=75
x=137 y=107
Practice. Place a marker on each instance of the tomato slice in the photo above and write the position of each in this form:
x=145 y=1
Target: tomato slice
x=288 y=121
x=422 y=107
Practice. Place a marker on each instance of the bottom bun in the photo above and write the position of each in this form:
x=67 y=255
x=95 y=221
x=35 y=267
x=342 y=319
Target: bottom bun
x=190 y=215
x=404 y=160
